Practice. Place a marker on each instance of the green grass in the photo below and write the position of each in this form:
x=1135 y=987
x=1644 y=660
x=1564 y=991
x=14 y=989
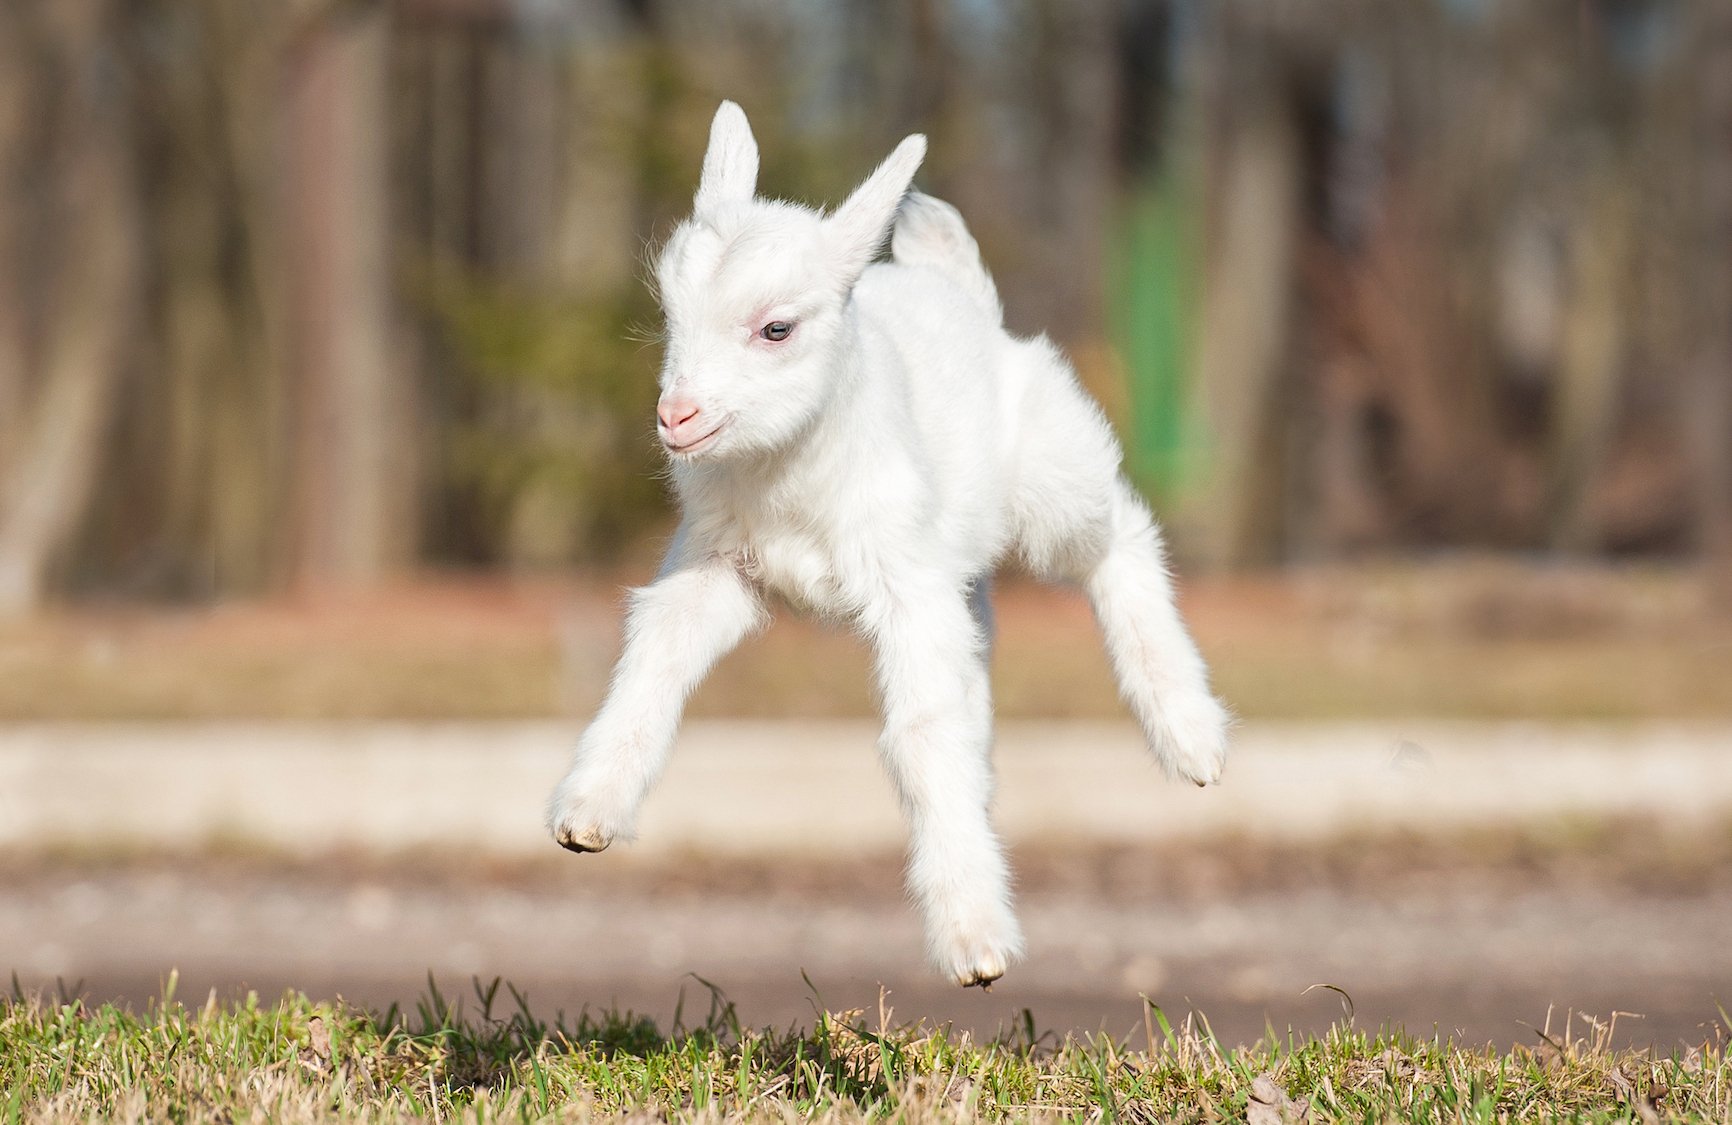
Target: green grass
x=298 y=1060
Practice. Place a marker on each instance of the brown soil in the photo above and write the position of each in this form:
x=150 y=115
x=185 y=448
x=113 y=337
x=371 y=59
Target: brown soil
x=1477 y=936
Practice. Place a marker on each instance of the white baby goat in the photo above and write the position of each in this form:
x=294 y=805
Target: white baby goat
x=865 y=440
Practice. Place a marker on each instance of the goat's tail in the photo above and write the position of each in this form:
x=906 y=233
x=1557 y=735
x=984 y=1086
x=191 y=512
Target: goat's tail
x=930 y=232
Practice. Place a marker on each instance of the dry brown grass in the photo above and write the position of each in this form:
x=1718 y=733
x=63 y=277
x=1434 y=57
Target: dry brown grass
x=1462 y=640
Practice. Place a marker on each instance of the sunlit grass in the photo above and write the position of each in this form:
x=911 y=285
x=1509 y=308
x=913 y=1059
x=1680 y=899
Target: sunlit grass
x=492 y=1059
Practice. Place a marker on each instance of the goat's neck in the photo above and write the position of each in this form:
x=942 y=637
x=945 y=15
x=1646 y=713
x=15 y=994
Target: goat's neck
x=829 y=444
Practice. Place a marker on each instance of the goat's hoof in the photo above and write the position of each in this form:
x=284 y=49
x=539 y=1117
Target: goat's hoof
x=590 y=839
x=1192 y=738
x=982 y=972
x=976 y=954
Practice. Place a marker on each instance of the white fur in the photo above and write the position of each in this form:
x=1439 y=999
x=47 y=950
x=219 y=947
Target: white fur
x=876 y=467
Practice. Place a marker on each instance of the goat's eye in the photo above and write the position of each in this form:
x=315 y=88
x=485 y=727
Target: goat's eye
x=776 y=331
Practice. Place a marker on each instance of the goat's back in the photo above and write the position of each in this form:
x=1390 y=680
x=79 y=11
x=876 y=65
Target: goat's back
x=930 y=233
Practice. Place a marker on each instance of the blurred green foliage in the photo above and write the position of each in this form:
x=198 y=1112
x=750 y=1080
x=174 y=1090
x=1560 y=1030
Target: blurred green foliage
x=556 y=446
x=1153 y=303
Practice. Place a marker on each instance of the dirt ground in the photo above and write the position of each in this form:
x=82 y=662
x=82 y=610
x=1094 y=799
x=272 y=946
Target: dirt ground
x=1467 y=876
x=1478 y=938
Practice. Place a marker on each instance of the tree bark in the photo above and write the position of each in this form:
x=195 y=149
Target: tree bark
x=354 y=493
x=1711 y=402
x=1242 y=353
x=15 y=109
x=1590 y=374
x=54 y=449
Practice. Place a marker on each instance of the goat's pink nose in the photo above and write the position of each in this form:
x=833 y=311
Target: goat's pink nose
x=673 y=413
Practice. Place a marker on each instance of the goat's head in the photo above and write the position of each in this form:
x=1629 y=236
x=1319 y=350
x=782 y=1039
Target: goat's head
x=754 y=293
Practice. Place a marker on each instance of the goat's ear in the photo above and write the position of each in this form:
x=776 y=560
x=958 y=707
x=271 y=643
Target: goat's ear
x=730 y=165
x=858 y=227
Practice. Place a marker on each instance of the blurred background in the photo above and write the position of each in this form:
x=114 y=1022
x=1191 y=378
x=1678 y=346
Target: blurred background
x=326 y=378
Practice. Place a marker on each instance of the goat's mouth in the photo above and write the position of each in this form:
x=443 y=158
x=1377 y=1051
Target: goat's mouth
x=697 y=444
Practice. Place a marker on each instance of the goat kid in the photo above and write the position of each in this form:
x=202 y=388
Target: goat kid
x=866 y=441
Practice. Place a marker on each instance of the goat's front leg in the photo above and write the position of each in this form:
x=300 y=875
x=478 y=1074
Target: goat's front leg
x=676 y=629
x=937 y=741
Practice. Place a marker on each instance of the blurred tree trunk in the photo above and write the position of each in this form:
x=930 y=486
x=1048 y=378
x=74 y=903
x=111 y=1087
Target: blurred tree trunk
x=1589 y=374
x=211 y=433
x=594 y=229
x=1711 y=397
x=354 y=493
x=15 y=114
x=55 y=440
x=1242 y=353
x=1076 y=86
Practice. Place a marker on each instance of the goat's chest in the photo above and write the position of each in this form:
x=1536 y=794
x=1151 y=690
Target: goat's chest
x=798 y=565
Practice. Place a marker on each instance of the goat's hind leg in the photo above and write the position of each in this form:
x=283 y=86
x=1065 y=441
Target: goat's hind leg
x=1161 y=674
x=1076 y=518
